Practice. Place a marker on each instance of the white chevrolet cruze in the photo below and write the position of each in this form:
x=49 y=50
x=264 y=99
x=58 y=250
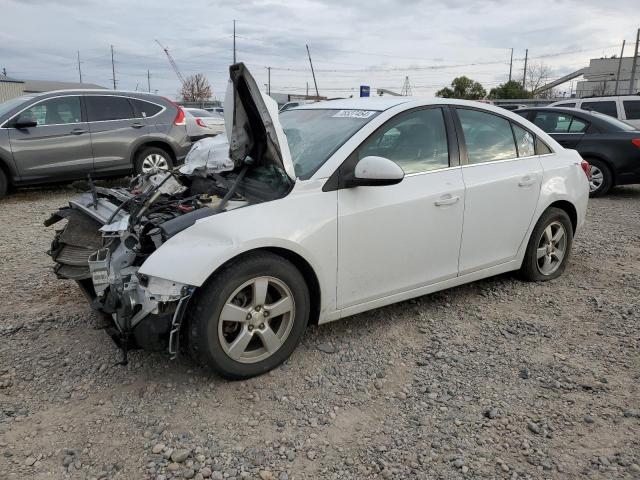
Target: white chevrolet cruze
x=365 y=202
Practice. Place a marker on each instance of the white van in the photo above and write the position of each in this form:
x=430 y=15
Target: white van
x=622 y=107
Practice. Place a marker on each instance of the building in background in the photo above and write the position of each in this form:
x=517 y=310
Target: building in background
x=12 y=88
x=600 y=78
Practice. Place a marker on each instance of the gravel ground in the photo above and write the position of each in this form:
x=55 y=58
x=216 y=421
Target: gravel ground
x=496 y=379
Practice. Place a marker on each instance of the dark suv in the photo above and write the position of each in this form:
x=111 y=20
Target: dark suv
x=65 y=135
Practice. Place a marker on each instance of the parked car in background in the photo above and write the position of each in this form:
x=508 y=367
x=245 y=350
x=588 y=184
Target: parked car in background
x=611 y=147
x=622 y=107
x=65 y=135
x=202 y=123
x=322 y=212
x=219 y=110
x=511 y=107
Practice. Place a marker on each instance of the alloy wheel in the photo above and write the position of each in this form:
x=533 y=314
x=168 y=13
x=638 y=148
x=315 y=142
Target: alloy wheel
x=552 y=247
x=256 y=319
x=154 y=161
x=597 y=178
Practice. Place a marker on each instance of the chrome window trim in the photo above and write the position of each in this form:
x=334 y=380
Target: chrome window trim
x=163 y=109
x=506 y=160
x=436 y=170
x=15 y=115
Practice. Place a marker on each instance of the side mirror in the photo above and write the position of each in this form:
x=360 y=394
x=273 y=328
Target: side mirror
x=377 y=171
x=25 y=122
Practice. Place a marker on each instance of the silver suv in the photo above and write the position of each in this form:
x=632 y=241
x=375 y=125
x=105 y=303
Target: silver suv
x=65 y=135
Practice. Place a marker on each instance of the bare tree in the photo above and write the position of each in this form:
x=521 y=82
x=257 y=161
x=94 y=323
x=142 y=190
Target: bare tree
x=538 y=75
x=196 y=88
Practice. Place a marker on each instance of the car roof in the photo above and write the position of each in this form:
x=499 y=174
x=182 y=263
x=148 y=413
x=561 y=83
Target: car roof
x=80 y=91
x=385 y=102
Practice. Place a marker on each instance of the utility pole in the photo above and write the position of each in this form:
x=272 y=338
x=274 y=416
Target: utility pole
x=234 y=41
x=524 y=77
x=113 y=69
x=632 y=81
x=307 y=94
x=312 y=72
x=511 y=64
x=148 y=81
x=269 y=81
x=79 y=68
x=619 y=66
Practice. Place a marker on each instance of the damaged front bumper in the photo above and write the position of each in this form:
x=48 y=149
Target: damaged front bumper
x=98 y=250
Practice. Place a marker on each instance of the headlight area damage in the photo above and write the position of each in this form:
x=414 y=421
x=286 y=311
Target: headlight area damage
x=111 y=231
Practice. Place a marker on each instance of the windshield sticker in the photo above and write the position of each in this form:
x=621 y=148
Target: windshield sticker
x=354 y=114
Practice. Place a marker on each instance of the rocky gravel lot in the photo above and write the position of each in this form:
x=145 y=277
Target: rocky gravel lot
x=497 y=379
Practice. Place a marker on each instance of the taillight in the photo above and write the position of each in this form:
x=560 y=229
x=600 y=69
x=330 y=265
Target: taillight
x=586 y=168
x=180 y=117
x=636 y=142
x=200 y=122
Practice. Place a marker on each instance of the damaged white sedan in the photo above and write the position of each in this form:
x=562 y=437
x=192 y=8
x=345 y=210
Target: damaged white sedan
x=331 y=209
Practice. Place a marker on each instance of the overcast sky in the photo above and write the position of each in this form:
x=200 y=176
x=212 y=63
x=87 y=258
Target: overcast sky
x=375 y=43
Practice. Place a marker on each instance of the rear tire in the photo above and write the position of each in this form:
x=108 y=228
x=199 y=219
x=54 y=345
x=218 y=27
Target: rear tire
x=4 y=184
x=552 y=238
x=257 y=339
x=601 y=178
x=151 y=157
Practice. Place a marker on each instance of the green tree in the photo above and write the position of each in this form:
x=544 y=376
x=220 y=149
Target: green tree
x=463 y=87
x=508 y=90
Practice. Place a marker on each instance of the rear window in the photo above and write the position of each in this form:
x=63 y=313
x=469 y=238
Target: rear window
x=103 y=108
x=631 y=109
x=608 y=108
x=145 y=109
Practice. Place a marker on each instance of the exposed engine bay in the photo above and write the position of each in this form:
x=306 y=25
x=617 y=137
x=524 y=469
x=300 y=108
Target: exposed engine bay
x=110 y=232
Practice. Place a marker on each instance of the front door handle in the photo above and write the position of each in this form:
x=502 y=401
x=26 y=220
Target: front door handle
x=78 y=131
x=526 y=181
x=137 y=125
x=447 y=199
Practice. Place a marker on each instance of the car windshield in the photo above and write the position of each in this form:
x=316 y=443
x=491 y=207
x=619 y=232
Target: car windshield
x=9 y=105
x=314 y=135
x=614 y=122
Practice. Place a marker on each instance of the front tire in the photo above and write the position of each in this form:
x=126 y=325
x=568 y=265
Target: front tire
x=4 y=184
x=549 y=247
x=249 y=317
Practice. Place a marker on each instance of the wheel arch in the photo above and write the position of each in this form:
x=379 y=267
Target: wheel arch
x=606 y=161
x=303 y=266
x=569 y=208
x=166 y=146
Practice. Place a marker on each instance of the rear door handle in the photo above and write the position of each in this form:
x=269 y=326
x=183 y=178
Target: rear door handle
x=78 y=131
x=137 y=125
x=447 y=199
x=526 y=181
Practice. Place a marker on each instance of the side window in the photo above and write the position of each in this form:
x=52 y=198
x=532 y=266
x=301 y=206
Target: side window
x=487 y=136
x=417 y=141
x=145 y=109
x=542 y=148
x=608 y=108
x=524 y=141
x=552 y=122
x=631 y=109
x=578 y=126
x=56 y=111
x=101 y=108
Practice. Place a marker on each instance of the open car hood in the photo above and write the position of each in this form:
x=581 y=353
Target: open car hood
x=252 y=125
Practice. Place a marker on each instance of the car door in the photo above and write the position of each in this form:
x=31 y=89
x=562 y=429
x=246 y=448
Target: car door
x=58 y=147
x=396 y=238
x=502 y=175
x=114 y=129
x=568 y=130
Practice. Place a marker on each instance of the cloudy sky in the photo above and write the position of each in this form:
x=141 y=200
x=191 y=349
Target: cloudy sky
x=375 y=43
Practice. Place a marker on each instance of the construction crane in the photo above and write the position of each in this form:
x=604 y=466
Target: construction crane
x=172 y=62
